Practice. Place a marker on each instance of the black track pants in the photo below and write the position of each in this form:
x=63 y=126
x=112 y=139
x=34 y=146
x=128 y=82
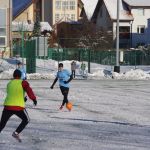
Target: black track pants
x=23 y=115
x=64 y=91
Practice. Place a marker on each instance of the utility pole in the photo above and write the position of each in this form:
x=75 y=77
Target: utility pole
x=22 y=42
x=10 y=27
x=117 y=67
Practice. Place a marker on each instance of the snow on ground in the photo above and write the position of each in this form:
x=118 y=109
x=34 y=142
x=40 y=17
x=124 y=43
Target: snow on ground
x=106 y=115
x=46 y=69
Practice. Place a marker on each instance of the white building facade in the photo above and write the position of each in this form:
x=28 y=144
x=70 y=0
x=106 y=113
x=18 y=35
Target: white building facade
x=141 y=26
x=134 y=19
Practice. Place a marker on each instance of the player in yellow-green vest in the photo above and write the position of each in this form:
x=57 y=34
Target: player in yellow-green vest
x=14 y=103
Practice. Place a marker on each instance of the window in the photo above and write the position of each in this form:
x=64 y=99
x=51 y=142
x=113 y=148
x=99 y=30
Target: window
x=141 y=29
x=57 y=17
x=58 y=5
x=72 y=5
x=65 y=5
x=2 y=41
x=141 y=11
x=124 y=32
x=3 y=22
x=2 y=31
x=73 y=17
x=68 y=17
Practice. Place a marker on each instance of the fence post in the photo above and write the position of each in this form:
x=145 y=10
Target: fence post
x=89 y=60
x=135 y=59
x=22 y=45
x=31 y=56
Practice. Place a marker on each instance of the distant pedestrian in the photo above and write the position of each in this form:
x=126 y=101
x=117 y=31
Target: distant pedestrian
x=14 y=103
x=73 y=68
x=64 y=78
x=21 y=67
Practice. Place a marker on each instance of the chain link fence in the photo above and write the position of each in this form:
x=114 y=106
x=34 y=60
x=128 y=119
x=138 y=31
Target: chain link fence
x=130 y=57
x=104 y=57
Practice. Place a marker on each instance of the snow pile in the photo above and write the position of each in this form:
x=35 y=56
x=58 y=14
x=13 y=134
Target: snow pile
x=131 y=75
x=7 y=74
x=46 y=69
x=100 y=74
x=25 y=26
x=40 y=76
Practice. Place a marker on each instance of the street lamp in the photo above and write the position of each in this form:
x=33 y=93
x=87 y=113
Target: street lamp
x=117 y=67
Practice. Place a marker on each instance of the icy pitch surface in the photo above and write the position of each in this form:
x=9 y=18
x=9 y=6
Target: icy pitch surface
x=107 y=115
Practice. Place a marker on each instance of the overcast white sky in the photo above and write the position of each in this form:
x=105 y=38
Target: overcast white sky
x=89 y=6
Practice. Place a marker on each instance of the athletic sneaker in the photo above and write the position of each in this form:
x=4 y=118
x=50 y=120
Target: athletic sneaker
x=16 y=136
x=61 y=107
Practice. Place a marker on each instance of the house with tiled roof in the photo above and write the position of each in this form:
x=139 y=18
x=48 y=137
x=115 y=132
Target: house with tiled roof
x=134 y=20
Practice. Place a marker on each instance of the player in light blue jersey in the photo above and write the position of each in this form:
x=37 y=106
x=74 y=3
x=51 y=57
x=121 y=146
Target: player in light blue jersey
x=22 y=69
x=64 y=77
x=20 y=66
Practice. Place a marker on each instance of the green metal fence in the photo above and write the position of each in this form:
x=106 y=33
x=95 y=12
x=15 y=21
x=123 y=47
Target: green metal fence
x=30 y=56
x=130 y=57
x=17 y=49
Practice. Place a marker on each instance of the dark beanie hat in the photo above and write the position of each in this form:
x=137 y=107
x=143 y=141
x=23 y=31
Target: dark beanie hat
x=17 y=73
x=60 y=65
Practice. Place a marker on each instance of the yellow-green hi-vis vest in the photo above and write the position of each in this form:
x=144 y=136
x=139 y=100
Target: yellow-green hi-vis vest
x=15 y=94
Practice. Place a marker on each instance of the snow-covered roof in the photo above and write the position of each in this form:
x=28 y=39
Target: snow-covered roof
x=111 y=6
x=45 y=26
x=89 y=6
x=138 y=2
x=21 y=26
x=25 y=26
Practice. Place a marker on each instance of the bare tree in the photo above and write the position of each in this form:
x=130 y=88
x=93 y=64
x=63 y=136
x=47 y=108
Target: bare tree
x=95 y=38
x=81 y=35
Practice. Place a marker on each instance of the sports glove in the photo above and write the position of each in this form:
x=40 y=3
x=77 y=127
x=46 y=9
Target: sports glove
x=35 y=102
x=25 y=98
x=52 y=87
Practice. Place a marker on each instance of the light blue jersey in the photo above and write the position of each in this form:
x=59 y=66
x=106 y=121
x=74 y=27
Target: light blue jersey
x=63 y=75
x=23 y=73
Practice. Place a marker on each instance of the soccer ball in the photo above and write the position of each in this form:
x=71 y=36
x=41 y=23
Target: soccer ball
x=69 y=106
